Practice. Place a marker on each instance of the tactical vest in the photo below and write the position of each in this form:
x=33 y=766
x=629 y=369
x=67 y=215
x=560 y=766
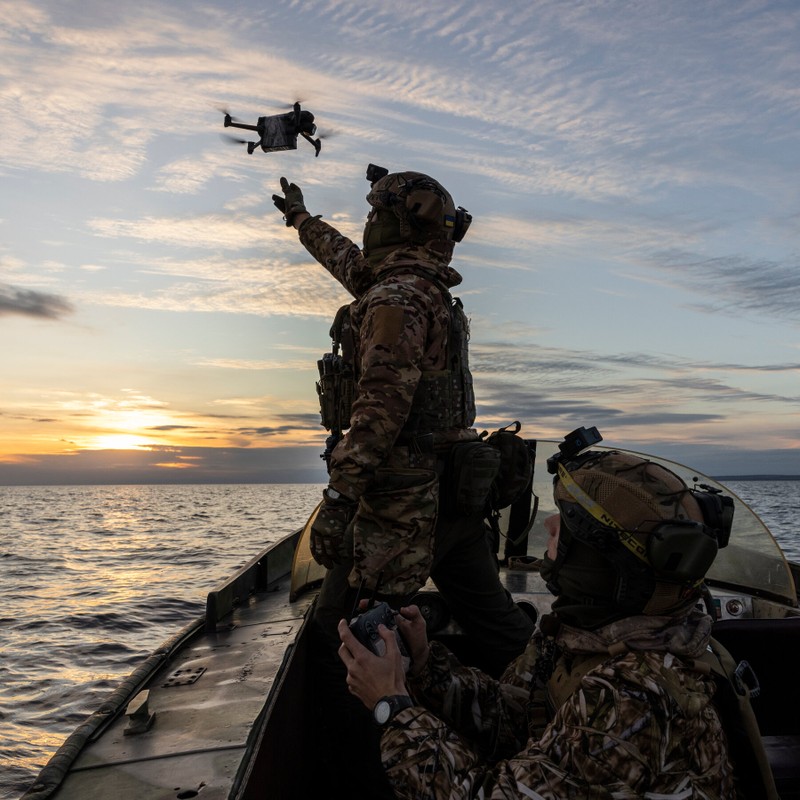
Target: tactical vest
x=443 y=398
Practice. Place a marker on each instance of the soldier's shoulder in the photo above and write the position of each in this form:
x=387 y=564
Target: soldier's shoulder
x=650 y=671
x=404 y=287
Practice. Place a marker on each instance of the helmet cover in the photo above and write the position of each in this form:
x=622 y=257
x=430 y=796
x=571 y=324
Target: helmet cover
x=595 y=577
x=409 y=208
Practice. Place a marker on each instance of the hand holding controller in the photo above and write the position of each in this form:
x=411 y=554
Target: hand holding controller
x=365 y=629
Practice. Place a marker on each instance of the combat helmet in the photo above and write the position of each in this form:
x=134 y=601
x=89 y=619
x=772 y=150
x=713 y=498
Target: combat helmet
x=412 y=208
x=634 y=538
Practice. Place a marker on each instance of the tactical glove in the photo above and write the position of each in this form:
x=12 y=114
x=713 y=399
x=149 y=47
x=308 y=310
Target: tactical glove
x=291 y=204
x=329 y=527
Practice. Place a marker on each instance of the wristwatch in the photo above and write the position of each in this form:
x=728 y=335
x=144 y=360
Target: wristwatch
x=387 y=707
x=336 y=497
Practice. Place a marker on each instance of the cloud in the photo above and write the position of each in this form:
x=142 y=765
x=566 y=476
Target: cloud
x=553 y=390
x=597 y=118
x=168 y=465
x=209 y=230
x=734 y=283
x=30 y=303
x=297 y=365
x=191 y=174
x=274 y=289
x=308 y=422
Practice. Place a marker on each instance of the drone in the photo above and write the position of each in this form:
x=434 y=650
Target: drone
x=279 y=131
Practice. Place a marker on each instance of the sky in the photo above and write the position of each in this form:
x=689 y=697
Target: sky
x=631 y=168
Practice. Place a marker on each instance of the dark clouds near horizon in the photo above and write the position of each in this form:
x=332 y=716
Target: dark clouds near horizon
x=30 y=303
x=737 y=283
x=157 y=465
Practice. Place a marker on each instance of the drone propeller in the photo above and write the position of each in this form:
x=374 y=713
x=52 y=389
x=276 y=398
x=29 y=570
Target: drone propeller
x=228 y=118
x=232 y=139
x=251 y=146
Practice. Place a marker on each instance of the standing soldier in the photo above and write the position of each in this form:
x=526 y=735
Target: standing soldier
x=383 y=526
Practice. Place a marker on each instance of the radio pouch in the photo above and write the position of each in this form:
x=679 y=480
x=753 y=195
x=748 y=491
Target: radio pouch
x=471 y=470
x=336 y=385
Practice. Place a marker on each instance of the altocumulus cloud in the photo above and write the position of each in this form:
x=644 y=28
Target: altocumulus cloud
x=30 y=303
x=740 y=283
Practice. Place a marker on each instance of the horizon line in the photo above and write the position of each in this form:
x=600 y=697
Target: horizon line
x=256 y=482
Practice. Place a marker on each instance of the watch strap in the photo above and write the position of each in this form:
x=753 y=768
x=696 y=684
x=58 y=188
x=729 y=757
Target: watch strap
x=396 y=702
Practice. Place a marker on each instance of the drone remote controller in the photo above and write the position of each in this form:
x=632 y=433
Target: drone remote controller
x=365 y=629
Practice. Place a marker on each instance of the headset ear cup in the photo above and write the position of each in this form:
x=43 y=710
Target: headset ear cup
x=463 y=221
x=681 y=551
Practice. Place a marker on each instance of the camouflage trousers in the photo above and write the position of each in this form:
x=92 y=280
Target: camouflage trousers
x=464 y=570
x=392 y=531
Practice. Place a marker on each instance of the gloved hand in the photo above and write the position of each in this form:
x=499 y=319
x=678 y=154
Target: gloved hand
x=292 y=203
x=328 y=529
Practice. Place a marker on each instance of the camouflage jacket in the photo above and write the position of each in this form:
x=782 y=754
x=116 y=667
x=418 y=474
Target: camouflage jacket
x=639 y=724
x=400 y=317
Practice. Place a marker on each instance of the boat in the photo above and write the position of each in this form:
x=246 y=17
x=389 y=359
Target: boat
x=221 y=710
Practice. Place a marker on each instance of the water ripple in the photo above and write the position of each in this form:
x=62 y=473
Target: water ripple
x=95 y=577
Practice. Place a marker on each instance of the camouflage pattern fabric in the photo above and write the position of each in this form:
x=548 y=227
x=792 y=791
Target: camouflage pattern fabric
x=393 y=531
x=400 y=319
x=640 y=724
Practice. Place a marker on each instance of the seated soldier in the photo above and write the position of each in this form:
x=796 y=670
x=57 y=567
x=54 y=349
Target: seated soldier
x=608 y=700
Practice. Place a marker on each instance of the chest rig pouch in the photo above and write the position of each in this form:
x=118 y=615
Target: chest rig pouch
x=446 y=398
x=336 y=385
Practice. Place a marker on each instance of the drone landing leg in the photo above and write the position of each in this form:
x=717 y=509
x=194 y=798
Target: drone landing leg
x=315 y=143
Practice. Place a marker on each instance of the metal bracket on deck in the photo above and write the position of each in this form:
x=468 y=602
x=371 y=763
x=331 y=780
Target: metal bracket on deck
x=139 y=714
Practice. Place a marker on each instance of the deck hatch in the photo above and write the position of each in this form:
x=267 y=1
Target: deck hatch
x=183 y=677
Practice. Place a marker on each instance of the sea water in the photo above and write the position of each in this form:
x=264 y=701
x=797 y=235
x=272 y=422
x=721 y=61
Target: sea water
x=93 y=578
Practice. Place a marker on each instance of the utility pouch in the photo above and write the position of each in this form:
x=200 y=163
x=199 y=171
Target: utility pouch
x=516 y=465
x=471 y=470
x=337 y=383
x=336 y=390
x=393 y=531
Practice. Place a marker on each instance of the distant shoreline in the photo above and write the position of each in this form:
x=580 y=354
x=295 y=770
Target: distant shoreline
x=724 y=478
x=3 y=484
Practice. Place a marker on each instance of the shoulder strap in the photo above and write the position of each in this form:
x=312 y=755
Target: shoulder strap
x=736 y=684
x=564 y=682
x=341 y=333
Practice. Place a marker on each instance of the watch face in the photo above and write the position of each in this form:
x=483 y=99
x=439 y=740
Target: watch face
x=382 y=711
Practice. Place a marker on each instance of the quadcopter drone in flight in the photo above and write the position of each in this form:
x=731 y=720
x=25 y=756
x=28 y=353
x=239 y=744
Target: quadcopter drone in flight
x=279 y=131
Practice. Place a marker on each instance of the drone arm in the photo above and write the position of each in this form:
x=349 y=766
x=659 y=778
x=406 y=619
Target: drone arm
x=316 y=143
x=229 y=124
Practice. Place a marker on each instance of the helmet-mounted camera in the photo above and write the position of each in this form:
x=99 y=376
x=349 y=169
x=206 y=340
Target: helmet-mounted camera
x=573 y=443
x=375 y=173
